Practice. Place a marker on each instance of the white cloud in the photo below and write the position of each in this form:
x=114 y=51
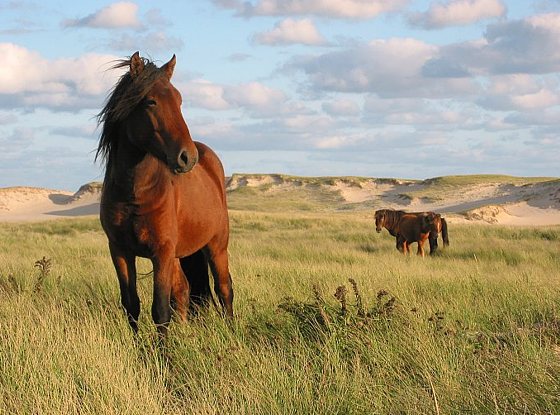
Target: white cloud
x=422 y=114
x=549 y=22
x=303 y=123
x=87 y=130
x=548 y=119
x=28 y=80
x=117 y=15
x=543 y=98
x=341 y=107
x=457 y=13
x=350 y=9
x=204 y=94
x=530 y=45
x=7 y=118
x=390 y=68
x=254 y=95
x=20 y=69
x=513 y=84
x=334 y=142
x=520 y=92
x=209 y=128
x=19 y=139
x=291 y=31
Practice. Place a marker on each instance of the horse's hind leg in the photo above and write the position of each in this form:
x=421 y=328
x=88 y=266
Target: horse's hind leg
x=218 y=261
x=195 y=268
x=125 y=265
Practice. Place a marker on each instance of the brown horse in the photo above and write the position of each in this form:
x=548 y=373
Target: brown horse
x=439 y=225
x=163 y=196
x=391 y=219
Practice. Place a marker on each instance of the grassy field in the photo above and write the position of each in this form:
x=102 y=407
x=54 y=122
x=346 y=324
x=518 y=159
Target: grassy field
x=475 y=329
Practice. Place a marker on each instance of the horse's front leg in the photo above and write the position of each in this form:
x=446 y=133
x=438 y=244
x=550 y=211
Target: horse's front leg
x=400 y=243
x=180 y=292
x=125 y=265
x=165 y=267
x=405 y=247
x=420 y=248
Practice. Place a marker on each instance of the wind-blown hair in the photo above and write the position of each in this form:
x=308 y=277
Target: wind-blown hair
x=127 y=93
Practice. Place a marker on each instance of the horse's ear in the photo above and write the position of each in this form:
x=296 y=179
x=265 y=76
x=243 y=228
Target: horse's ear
x=169 y=67
x=136 y=65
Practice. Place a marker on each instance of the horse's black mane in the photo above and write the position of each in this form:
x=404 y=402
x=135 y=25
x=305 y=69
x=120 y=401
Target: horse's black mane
x=127 y=93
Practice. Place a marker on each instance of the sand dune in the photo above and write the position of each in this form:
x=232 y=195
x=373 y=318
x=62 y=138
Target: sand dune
x=22 y=204
x=463 y=199
x=490 y=199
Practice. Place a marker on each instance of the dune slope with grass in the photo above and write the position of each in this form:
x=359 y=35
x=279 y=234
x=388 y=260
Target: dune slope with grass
x=489 y=199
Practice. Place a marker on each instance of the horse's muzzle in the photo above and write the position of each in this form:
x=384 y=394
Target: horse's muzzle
x=378 y=230
x=184 y=163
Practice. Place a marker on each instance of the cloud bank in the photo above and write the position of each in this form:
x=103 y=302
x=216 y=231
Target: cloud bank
x=347 y=9
x=29 y=81
x=457 y=13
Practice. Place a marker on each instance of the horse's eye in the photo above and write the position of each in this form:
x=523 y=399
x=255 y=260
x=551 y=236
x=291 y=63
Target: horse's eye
x=151 y=103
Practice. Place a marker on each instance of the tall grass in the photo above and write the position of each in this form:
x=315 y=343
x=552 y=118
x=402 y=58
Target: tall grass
x=475 y=329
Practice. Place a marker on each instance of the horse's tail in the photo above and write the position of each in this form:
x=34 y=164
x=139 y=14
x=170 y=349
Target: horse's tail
x=444 y=234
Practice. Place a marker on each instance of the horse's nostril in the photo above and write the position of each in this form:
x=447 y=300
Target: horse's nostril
x=183 y=159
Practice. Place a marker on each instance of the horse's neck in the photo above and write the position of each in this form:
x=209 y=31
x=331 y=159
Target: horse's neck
x=134 y=172
x=390 y=221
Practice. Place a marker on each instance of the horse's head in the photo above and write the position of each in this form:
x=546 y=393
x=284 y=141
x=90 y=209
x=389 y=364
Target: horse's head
x=156 y=124
x=379 y=220
x=431 y=222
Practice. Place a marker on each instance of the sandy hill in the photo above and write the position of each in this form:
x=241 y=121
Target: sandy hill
x=32 y=203
x=473 y=198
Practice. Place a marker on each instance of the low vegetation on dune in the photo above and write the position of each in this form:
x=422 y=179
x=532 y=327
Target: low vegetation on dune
x=476 y=179
x=330 y=318
x=441 y=188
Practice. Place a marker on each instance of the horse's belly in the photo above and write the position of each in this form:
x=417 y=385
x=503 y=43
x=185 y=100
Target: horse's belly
x=194 y=235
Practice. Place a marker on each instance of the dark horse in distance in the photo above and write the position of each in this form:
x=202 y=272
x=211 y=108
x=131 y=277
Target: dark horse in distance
x=163 y=197
x=409 y=227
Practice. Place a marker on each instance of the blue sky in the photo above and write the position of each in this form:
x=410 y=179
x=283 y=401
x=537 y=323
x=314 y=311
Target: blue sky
x=381 y=88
